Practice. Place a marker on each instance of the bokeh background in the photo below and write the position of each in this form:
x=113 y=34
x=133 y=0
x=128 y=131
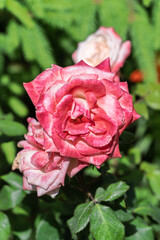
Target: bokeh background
x=37 y=33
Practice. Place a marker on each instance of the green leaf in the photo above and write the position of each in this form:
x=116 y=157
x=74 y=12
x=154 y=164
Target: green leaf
x=85 y=22
x=70 y=225
x=153 y=175
x=13 y=179
x=16 y=88
x=146 y=209
x=18 y=107
x=142 y=46
x=134 y=155
x=156 y=20
x=147 y=3
x=90 y=237
x=10 y=197
x=5 y=80
x=144 y=143
x=142 y=231
x=145 y=193
x=12 y=128
x=105 y=225
x=92 y=171
x=81 y=217
x=20 y=12
x=36 y=46
x=9 y=150
x=108 y=12
x=153 y=99
x=114 y=191
x=46 y=231
x=13 y=36
x=123 y=216
x=5 y=228
x=142 y=109
x=24 y=235
x=142 y=89
x=20 y=211
x=154 y=181
x=2 y=4
x=8 y=116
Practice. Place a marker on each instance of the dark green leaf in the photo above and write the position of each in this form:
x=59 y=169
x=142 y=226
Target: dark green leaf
x=13 y=179
x=81 y=217
x=123 y=216
x=105 y=225
x=46 y=231
x=10 y=197
x=113 y=192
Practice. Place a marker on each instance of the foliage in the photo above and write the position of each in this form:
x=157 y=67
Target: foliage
x=122 y=198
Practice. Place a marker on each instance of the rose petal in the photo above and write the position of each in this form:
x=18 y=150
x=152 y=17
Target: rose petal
x=77 y=85
x=27 y=186
x=105 y=65
x=40 y=159
x=112 y=108
x=59 y=117
x=65 y=148
x=41 y=179
x=96 y=160
x=75 y=166
x=124 y=52
x=97 y=140
x=35 y=87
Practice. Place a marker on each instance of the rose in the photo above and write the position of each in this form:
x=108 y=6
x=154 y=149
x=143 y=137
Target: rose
x=105 y=42
x=43 y=168
x=83 y=110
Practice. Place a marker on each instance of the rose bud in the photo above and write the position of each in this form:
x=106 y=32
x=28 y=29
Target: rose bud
x=105 y=42
x=83 y=110
x=43 y=168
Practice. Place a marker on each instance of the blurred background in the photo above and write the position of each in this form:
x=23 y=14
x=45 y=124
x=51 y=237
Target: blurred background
x=37 y=33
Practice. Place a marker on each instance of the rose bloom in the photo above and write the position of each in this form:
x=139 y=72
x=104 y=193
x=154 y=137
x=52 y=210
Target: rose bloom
x=83 y=110
x=42 y=166
x=105 y=42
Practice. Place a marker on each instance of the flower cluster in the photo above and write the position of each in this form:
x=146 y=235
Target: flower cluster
x=81 y=110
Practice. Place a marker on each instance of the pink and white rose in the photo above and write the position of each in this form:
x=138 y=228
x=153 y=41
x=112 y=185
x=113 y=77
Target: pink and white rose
x=105 y=42
x=83 y=110
x=43 y=168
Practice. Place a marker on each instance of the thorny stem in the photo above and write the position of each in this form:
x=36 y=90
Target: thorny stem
x=84 y=188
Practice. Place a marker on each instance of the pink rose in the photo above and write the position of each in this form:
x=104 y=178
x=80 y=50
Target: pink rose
x=83 y=110
x=105 y=42
x=43 y=168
